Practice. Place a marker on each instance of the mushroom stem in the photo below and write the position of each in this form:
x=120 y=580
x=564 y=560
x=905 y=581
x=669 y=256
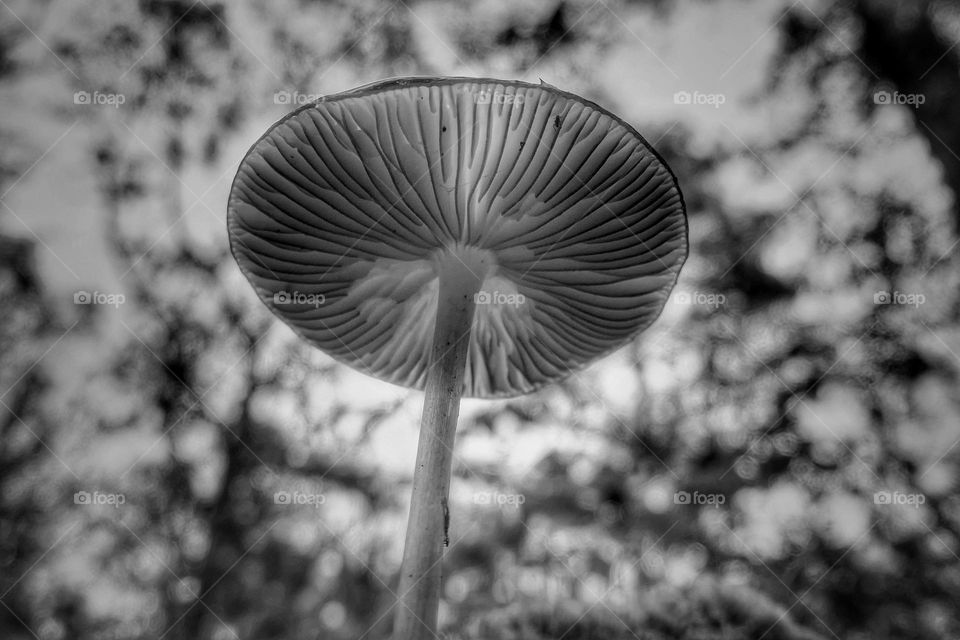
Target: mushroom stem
x=419 y=590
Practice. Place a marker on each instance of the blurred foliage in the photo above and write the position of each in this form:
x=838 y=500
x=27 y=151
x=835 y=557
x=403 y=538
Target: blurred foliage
x=727 y=476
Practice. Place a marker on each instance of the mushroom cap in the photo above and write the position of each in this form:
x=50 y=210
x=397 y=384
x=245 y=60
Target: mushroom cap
x=344 y=213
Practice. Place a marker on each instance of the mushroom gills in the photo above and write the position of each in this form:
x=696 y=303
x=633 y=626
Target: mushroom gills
x=400 y=298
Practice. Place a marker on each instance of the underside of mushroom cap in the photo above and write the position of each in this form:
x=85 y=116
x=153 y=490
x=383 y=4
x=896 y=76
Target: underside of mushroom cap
x=345 y=212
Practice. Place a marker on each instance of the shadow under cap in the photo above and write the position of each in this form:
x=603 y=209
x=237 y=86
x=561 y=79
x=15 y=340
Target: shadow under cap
x=351 y=205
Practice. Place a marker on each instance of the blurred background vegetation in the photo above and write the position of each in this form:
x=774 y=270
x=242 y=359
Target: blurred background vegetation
x=776 y=458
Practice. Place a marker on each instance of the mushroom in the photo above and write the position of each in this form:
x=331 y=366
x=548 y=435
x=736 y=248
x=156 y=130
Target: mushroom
x=466 y=237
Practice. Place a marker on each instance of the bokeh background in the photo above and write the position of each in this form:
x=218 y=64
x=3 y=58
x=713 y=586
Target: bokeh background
x=777 y=457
